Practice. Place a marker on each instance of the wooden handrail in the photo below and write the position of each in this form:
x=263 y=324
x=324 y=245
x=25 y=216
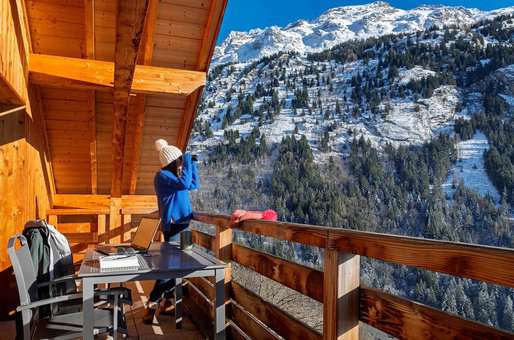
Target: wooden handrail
x=405 y=319
x=73 y=211
x=473 y=261
x=397 y=316
x=381 y=310
x=484 y=263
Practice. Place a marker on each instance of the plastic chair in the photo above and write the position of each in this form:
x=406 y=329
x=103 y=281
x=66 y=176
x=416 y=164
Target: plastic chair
x=57 y=326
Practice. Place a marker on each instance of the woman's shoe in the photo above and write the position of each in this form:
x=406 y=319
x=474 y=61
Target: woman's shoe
x=149 y=316
x=167 y=307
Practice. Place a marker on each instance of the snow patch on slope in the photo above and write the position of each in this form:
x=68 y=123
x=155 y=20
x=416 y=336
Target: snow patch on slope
x=470 y=168
x=415 y=73
x=411 y=122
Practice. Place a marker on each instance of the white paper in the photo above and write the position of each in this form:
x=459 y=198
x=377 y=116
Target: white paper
x=118 y=261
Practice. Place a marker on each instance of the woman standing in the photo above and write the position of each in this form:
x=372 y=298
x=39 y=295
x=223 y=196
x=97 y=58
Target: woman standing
x=173 y=182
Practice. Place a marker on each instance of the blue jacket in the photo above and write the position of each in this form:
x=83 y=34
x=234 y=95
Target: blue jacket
x=173 y=193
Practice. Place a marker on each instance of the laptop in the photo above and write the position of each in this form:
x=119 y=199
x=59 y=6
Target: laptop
x=142 y=240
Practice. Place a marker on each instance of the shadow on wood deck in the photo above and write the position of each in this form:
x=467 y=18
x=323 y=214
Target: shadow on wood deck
x=163 y=327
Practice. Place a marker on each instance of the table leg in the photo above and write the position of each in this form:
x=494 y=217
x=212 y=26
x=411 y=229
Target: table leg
x=87 y=309
x=219 y=327
x=178 y=303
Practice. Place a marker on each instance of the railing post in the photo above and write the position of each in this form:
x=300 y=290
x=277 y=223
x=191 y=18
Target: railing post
x=223 y=251
x=115 y=221
x=101 y=228
x=341 y=280
x=126 y=226
x=52 y=219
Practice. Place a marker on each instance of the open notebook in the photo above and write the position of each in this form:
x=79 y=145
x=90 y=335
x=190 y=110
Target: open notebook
x=122 y=262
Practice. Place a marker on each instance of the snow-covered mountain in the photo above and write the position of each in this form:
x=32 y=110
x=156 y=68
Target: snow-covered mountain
x=342 y=24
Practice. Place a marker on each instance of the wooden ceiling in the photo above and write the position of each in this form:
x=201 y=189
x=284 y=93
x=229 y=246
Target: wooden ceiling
x=102 y=112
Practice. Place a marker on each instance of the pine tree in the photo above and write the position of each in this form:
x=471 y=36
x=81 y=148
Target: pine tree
x=482 y=305
x=338 y=108
x=449 y=303
x=508 y=315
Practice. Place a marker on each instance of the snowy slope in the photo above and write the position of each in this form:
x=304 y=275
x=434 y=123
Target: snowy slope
x=341 y=24
x=470 y=168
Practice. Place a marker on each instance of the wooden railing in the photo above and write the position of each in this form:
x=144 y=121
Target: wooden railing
x=345 y=300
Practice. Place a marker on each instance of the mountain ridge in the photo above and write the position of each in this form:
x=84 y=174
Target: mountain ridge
x=342 y=24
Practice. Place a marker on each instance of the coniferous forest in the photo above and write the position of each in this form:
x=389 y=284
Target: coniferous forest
x=393 y=189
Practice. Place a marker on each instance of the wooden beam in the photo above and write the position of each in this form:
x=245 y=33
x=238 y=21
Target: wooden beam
x=406 y=319
x=8 y=94
x=91 y=106
x=77 y=212
x=147 y=45
x=210 y=33
x=137 y=109
x=303 y=279
x=130 y=19
x=341 y=280
x=81 y=201
x=98 y=75
x=89 y=24
x=274 y=318
x=188 y=118
x=13 y=75
x=49 y=166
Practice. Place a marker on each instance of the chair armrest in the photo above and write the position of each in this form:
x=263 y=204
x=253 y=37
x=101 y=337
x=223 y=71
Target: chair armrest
x=58 y=280
x=49 y=301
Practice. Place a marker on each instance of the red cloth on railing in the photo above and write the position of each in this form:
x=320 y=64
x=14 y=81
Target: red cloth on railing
x=241 y=215
x=270 y=215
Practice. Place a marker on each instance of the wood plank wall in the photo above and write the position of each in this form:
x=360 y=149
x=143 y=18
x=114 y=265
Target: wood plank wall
x=26 y=181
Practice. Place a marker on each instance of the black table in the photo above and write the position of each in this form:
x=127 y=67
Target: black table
x=163 y=261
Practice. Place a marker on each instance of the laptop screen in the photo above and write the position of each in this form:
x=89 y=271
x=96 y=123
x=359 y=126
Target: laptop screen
x=145 y=233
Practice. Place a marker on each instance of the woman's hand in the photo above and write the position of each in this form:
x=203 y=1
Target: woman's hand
x=236 y=216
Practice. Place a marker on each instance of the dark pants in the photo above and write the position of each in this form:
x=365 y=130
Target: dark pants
x=164 y=288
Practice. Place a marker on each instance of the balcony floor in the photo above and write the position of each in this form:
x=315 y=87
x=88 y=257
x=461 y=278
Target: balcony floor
x=163 y=327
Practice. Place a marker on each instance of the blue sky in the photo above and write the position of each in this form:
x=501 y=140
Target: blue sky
x=243 y=15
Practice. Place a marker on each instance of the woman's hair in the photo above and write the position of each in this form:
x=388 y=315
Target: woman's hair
x=175 y=167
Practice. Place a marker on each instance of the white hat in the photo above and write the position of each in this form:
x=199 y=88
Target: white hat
x=167 y=153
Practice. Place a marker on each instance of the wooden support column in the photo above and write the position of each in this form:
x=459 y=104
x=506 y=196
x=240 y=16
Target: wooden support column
x=341 y=280
x=130 y=21
x=137 y=109
x=223 y=251
x=89 y=24
x=92 y=141
x=115 y=221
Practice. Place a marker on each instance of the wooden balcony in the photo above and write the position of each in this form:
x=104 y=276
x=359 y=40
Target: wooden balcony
x=346 y=303
x=345 y=300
